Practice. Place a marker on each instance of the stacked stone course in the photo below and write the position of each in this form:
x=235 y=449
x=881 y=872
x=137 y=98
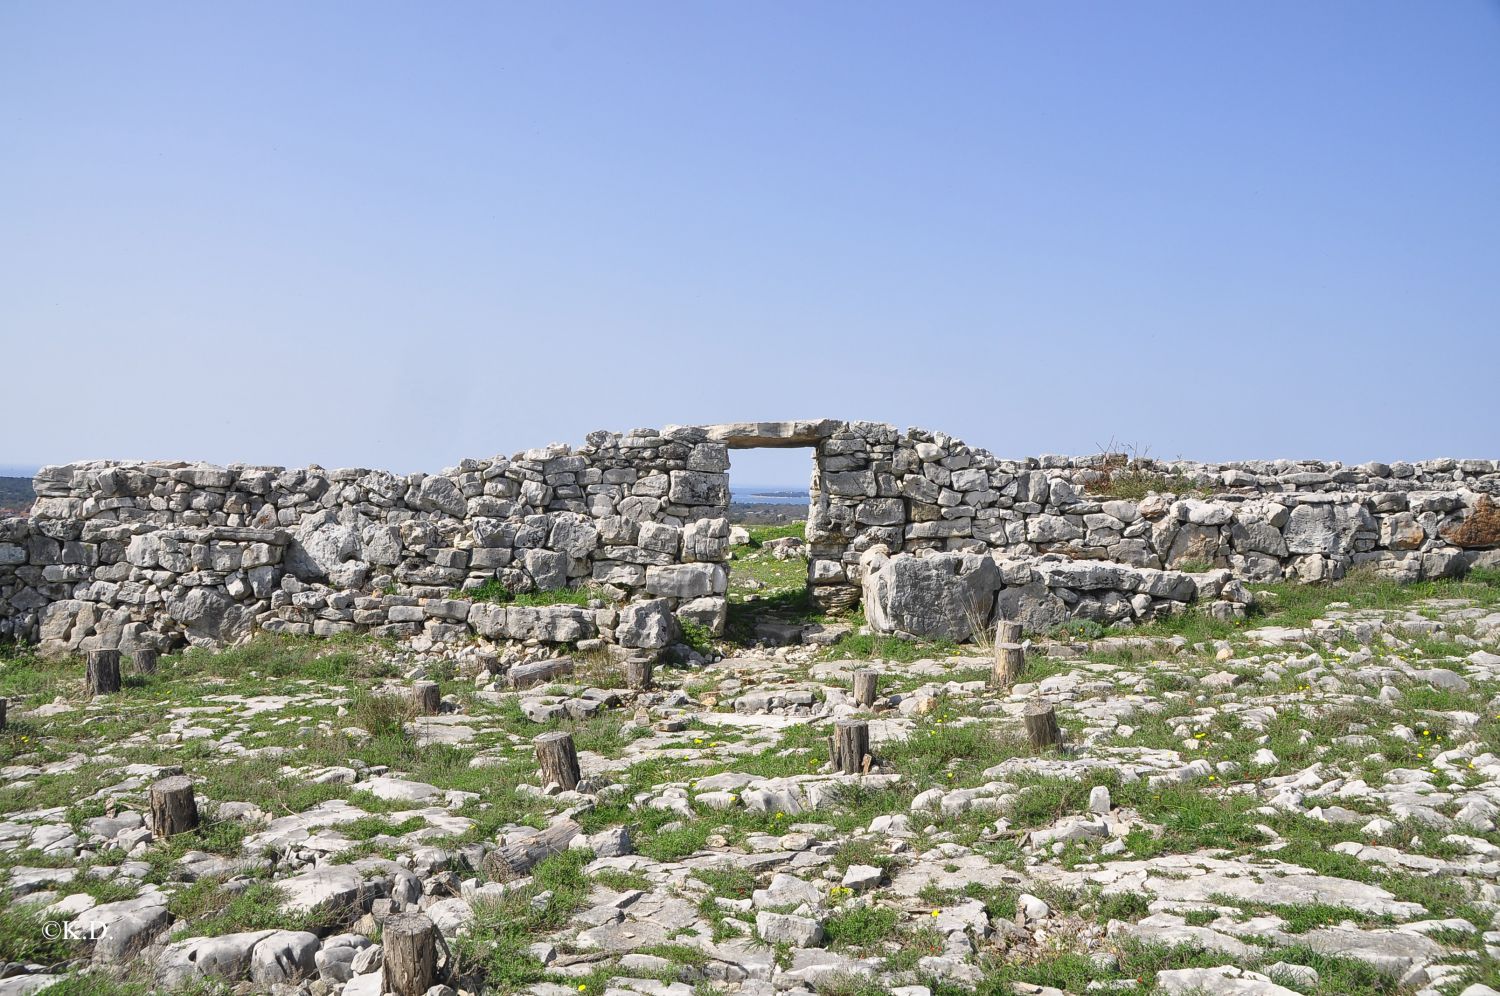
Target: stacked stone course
x=160 y=554
x=157 y=554
x=1263 y=520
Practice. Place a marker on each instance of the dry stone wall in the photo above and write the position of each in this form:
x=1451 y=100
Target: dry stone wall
x=1263 y=520
x=161 y=554
x=1030 y=539
x=158 y=554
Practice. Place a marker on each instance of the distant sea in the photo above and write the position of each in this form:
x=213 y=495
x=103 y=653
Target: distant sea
x=18 y=469
x=768 y=494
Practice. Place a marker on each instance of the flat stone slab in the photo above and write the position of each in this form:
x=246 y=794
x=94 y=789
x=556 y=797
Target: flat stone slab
x=967 y=868
x=451 y=730
x=299 y=827
x=1226 y=979
x=750 y=721
x=123 y=928
x=1197 y=878
x=624 y=936
x=339 y=885
x=754 y=435
x=1391 y=952
x=400 y=790
x=25 y=985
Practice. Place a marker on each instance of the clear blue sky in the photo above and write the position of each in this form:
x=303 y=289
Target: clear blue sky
x=395 y=235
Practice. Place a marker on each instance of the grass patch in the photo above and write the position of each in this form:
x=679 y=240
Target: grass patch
x=873 y=646
x=495 y=590
x=860 y=926
x=494 y=950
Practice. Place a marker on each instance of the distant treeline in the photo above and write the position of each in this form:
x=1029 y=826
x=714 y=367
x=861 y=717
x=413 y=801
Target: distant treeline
x=761 y=514
x=16 y=494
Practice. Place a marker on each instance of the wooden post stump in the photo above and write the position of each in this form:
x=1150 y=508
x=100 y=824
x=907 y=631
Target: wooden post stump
x=1041 y=725
x=512 y=861
x=865 y=685
x=144 y=661
x=850 y=746
x=173 y=808
x=427 y=697
x=1010 y=657
x=558 y=759
x=638 y=673
x=410 y=941
x=103 y=674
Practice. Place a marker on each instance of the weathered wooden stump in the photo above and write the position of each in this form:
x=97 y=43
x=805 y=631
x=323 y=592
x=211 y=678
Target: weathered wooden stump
x=1010 y=657
x=427 y=697
x=103 y=674
x=512 y=861
x=850 y=746
x=173 y=808
x=143 y=660
x=1041 y=725
x=865 y=685
x=638 y=673
x=410 y=941
x=558 y=759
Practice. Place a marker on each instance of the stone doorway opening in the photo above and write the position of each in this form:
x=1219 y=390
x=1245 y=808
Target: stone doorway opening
x=771 y=495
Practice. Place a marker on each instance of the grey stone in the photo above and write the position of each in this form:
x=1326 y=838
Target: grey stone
x=647 y=625
x=224 y=957
x=778 y=928
x=284 y=956
x=862 y=878
x=686 y=580
x=941 y=596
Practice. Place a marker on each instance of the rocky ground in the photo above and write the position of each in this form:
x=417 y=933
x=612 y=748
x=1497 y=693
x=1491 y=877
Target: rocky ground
x=1306 y=802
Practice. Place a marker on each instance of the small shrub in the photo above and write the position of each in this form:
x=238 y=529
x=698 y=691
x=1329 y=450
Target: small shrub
x=382 y=715
x=1129 y=906
x=869 y=646
x=1080 y=629
x=1133 y=484
x=729 y=883
x=860 y=926
x=696 y=635
x=22 y=937
x=670 y=845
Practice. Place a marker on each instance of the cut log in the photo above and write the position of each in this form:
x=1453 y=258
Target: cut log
x=865 y=685
x=851 y=742
x=1041 y=725
x=173 y=808
x=410 y=941
x=539 y=672
x=103 y=674
x=427 y=697
x=638 y=673
x=1010 y=656
x=144 y=661
x=513 y=861
x=558 y=759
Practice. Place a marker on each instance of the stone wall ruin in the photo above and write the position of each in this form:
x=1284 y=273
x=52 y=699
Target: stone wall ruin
x=126 y=554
